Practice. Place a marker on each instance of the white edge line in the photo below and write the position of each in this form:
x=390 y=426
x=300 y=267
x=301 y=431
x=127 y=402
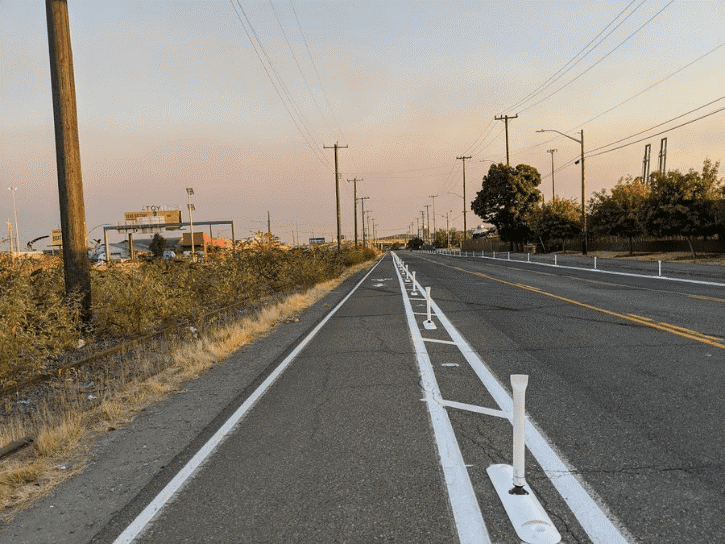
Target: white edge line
x=464 y=504
x=138 y=525
x=598 y=525
x=670 y=278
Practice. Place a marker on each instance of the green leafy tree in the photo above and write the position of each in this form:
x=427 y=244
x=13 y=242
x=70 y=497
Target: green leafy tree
x=621 y=213
x=684 y=204
x=558 y=219
x=507 y=198
x=157 y=245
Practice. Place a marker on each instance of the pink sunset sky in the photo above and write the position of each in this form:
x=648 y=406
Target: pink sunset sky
x=173 y=94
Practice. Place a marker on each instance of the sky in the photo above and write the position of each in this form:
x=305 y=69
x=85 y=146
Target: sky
x=239 y=100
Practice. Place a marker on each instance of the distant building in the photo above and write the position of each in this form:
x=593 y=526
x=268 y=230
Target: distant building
x=203 y=240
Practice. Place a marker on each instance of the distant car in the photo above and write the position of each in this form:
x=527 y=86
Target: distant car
x=168 y=255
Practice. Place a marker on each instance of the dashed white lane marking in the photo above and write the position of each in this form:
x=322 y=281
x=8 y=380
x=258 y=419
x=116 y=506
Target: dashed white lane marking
x=466 y=511
x=139 y=524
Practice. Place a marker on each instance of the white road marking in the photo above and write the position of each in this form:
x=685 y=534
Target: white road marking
x=466 y=511
x=439 y=341
x=592 y=517
x=139 y=524
x=474 y=408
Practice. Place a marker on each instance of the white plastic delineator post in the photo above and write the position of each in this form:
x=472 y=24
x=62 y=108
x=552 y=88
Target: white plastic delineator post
x=428 y=323
x=518 y=384
x=414 y=292
x=407 y=274
x=530 y=520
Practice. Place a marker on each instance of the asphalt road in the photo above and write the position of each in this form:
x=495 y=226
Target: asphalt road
x=346 y=445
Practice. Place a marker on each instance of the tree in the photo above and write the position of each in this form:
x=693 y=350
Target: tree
x=558 y=219
x=684 y=204
x=157 y=245
x=415 y=243
x=622 y=213
x=507 y=198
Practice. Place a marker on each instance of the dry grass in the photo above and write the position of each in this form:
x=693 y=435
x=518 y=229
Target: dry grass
x=65 y=426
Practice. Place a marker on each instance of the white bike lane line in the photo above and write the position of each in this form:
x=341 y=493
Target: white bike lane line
x=467 y=515
x=599 y=525
x=139 y=524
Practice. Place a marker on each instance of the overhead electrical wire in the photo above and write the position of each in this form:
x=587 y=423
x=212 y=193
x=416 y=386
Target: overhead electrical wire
x=651 y=86
x=576 y=59
x=319 y=79
x=593 y=154
x=257 y=47
x=553 y=78
x=299 y=68
x=600 y=60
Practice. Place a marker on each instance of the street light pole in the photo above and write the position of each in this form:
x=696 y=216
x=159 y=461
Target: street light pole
x=584 y=190
x=553 y=190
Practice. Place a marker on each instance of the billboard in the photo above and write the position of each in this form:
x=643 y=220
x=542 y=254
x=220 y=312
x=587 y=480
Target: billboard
x=56 y=236
x=142 y=217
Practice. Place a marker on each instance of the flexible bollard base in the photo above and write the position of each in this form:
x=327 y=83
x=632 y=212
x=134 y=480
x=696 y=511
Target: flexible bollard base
x=530 y=520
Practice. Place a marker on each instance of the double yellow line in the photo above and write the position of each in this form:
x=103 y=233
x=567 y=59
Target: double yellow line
x=646 y=321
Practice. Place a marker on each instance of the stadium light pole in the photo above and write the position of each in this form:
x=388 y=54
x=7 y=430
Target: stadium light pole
x=584 y=190
x=15 y=213
x=190 y=206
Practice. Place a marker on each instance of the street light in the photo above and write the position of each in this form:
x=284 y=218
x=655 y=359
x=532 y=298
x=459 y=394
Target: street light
x=15 y=213
x=584 y=204
x=553 y=191
x=191 y=208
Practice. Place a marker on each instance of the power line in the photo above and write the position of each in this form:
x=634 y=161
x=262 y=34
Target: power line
x=659 y=133
x=563 y=70
x=322 y=88
x=620 y=44
x=660 y=124
x=652 y=86
x=312 y=147
x=299 y=68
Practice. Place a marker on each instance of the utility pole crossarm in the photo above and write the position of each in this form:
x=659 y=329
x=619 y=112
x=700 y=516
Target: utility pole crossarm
x=505 y=119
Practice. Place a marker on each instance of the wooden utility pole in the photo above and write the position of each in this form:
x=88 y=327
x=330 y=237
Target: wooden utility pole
x=362 y=200
x=269 y=223
x=506 y=118
x=465 y=228
x=433 y=198
x=76 y=265
x=337 y=188
x=354 y=192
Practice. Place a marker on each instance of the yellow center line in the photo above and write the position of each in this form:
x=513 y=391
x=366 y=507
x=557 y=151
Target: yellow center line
x=712 y=299
x=659 y=325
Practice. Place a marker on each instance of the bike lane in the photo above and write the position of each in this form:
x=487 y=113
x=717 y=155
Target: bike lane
x=339 y=449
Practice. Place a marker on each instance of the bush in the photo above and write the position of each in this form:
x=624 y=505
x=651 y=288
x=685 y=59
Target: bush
x=133 y=299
